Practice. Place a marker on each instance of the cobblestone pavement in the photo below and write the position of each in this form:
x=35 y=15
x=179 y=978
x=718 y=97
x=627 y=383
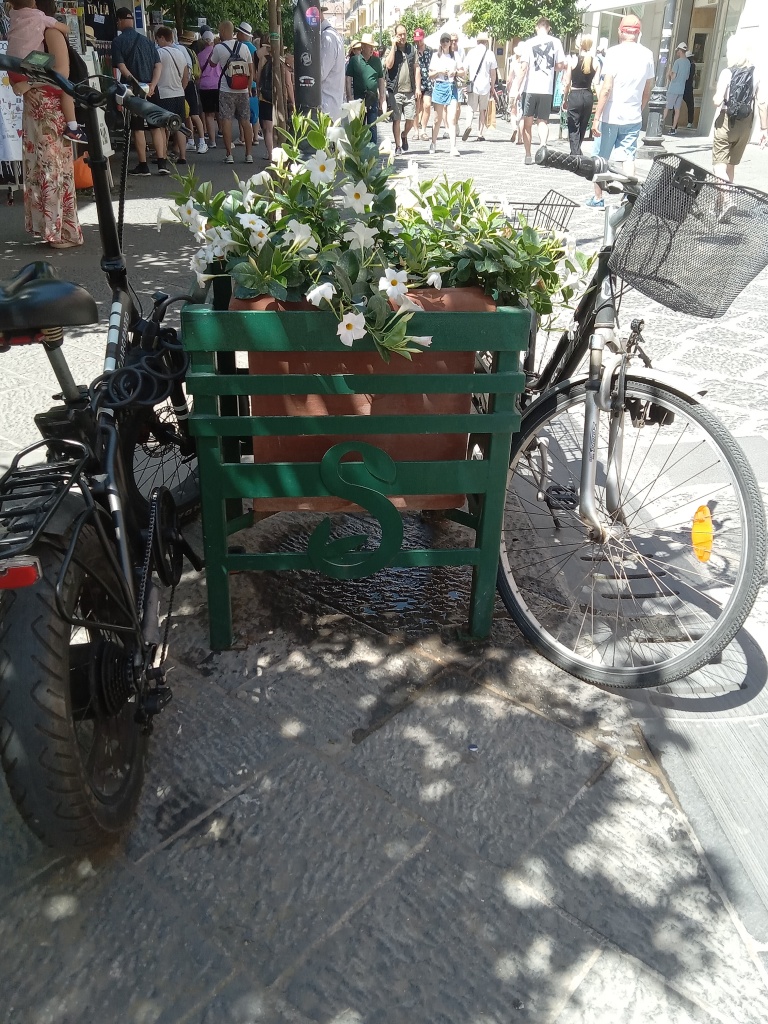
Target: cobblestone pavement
x=351 y=822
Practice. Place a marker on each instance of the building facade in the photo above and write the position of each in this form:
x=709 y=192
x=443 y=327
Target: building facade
x=705 y=25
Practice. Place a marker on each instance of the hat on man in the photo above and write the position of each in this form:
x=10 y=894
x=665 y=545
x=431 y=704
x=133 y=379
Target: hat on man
x=188 y=37
x=682 y=46
x=207 y=36
x=418 y=35
x=689 y=53
x=123 y=14
x=484 y=37
x=245 y=29
x=630 y=23
x=367 y=39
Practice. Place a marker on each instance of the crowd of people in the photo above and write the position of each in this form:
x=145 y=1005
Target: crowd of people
x=221 y=83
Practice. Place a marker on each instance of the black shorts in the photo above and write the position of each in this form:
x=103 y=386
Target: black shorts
x=265 y=111
x=192 y=96
x=209 y=101
x=537 y=105
x=173 y=104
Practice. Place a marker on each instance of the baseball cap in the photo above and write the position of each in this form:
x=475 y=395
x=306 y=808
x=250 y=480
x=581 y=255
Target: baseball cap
x=682 y=46
x=123 y=13
x=245 y=28
x=630 y=23
x=418 y=34
x=207 y=36
x=689 y=53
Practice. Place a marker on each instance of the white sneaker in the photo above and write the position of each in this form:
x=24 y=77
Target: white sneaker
x=431 y=147
x=238 y=142
x=229 y=159
x=202 y=146
x=455 y=151
x=249 y=159
x=190 y=144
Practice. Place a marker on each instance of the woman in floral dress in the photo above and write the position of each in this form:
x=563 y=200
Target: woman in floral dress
x=50 y=204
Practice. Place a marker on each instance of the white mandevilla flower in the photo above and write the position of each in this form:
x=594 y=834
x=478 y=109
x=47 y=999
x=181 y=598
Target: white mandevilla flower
x=259 y=234
x=361 y=234
x=351 y=328
x=357 y=196
x=407 y=305
x=319 y=292
x=425 y=340
x=434 y=279
x=279 y=156
x=220 y=240
x=352 y=109
x=321 y=167
x=392 y=227
x=249 y=220
x=394 y=283
x=300 y=235
x=187 y=212
x=336 y=136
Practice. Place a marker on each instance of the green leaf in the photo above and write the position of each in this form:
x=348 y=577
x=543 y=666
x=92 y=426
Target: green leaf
x=316 y=139
x=341 y=278
x=349 y=262
x=277 y=290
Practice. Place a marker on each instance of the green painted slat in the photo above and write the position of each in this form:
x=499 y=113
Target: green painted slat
x=404 y=559
x=355 y=384
x=209 y=330
x=352 y=426
x=294 y=479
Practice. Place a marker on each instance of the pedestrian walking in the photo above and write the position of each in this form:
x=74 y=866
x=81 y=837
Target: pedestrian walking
x=332 y=65
x=424 y=55
x=541 y=57
x=443 y=71
x=402 y=77
x=739 y=91
x=138 y=60
x=688 y=94
x=578 y=94
x=234 y=59
x=628 y=77
x=481 y=81
x=210 y=74
x=194 y=120
x=174 y=76
x=516 y=102
x=677 y=79
x=365 y=81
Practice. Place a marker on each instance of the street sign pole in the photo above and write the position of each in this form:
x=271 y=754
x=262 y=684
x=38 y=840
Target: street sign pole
x=653 y=143
x=306 y=55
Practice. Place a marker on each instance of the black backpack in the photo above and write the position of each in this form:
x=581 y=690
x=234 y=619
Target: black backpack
x=741 y=94
x=266 y=81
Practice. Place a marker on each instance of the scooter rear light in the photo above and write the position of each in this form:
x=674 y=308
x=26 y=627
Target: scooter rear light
x=16 y=573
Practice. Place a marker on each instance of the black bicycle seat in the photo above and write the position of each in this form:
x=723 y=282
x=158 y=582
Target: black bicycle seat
x=36 y=297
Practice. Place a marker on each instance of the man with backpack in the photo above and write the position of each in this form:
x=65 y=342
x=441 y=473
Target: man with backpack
x=737 y=94
x=236 y=63
x=137 y=59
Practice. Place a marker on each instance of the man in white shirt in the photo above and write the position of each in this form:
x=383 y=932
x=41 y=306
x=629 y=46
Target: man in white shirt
x=541 y=57
x=234 y=59
x=628 y=77
x=481 y=79
x=332 y=64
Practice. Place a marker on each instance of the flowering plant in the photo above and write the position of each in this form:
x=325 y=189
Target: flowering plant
x=340 y=230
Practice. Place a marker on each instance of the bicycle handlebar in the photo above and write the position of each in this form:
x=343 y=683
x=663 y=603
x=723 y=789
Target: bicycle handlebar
x=584 y=166
x=44 y=73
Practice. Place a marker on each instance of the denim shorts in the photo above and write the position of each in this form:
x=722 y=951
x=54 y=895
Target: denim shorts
x=619 y=139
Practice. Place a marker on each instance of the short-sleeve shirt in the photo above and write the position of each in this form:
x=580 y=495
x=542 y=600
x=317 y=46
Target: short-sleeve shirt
x=681 y=68
x=401 y=77
x=479 y=66
x=630 y=65
x=365 y=74
x=445 y=65
x=209 y=73
x=542 y=54
x=221 y=54
x=172 y=72
x=424 y=57
x=138 y=53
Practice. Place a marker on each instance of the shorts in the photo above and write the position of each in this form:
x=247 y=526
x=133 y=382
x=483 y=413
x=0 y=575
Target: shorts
x=619 y=139
x=192 y=96
x=537 y=105
x=234 y=105
x=173 y=104
x=730 y=139
x=265 y=112
x=674 y=100
x=405 y=106
x=479 y=101
x=442 y=94
x=209 y=101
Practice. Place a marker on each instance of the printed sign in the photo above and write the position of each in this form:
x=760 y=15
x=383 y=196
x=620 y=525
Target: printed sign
x=306 y=81
x=11 y=107
x=313 y=16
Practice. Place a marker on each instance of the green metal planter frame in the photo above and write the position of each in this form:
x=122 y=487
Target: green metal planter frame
x=212 y=337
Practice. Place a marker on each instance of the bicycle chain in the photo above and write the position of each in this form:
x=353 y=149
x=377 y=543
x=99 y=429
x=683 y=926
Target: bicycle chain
x=153 y=506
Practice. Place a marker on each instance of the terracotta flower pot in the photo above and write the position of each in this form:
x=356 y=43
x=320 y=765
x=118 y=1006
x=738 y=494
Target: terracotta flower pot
x=311 y=448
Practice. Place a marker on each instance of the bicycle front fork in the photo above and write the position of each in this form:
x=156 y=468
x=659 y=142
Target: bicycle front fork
x=600 y=398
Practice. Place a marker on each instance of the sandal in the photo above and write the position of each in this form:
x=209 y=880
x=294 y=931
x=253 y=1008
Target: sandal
x=64 y=245
x=514 y=135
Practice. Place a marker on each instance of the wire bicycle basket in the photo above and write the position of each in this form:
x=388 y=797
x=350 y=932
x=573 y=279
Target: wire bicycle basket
x=552 y=213
x=692 y=242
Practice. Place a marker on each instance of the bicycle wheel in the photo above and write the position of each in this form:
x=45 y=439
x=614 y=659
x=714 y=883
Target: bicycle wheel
x=674 y=582
x=157 y=454
x=72 y=753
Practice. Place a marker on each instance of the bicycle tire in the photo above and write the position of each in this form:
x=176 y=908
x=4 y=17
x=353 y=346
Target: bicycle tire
x=74 y=771
x=156 y=454
x=644 y=609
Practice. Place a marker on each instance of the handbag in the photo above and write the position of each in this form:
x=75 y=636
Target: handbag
x=82 y=174
x=490 y=114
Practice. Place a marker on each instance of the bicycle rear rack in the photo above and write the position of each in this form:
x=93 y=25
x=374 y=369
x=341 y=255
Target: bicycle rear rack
x=31 y=495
